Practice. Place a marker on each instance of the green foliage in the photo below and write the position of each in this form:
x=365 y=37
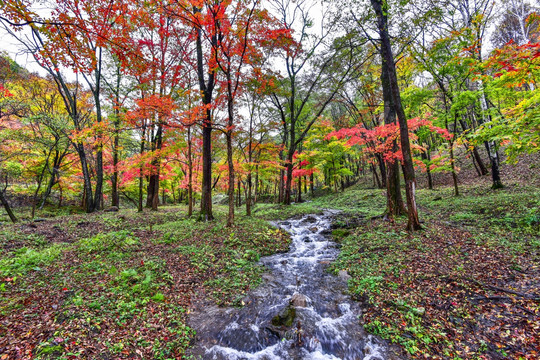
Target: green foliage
x=106 y=242
x=12 y=169
x=26 y=259
x=143 y=281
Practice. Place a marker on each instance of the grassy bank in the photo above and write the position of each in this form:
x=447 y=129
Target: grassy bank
x=466 y=287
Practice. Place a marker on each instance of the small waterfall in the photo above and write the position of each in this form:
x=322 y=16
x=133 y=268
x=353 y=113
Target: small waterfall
x=300 y=312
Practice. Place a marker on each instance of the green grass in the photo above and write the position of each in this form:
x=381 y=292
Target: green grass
x=105 y=243
x=508 y=217
x=27 y=259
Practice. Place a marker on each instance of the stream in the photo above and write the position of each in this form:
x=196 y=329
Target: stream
x=299 y=312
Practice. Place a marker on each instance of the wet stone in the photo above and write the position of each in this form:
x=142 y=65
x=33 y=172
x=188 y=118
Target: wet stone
x=310 y=219
x=298 y=300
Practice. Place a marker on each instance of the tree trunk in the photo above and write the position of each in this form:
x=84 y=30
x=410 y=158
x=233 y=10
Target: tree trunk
x=230 y=217
x=248 y=199
x=376 y=180
x=427 y=156
x=150 y=191
x=115 y=196
x=40 y=181
x=288 y=182
x=389 y=64
x=491 y=147
x=382 y=168
x=52 y=181
x=394 y=200
x=452 y=159
x=257 y=185
x=88 y=200
x=207 y=88
x=141 y=177
x=5 y=203
x=482 y=170
x=299 y=195
x=190 y=175
x=206 y=196
x=157 y=166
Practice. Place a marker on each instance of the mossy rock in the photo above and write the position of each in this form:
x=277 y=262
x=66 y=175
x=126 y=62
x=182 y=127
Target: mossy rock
x=285 y=317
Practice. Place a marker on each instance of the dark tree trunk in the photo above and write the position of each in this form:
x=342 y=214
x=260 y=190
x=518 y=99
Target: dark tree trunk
x=389 y=64
x=299 y=195
x=494 y=158
x=115 y=196
x=150 y=191
x=288 y=182
x=207 y=89
x=479 y=163
x=230 y=162
x=52 y=181
x=426 y=156
x=248 y=198
x=206 y=196
x=39 y=183
x=5 y=203
x=257 y=185
x=88 y=200
x=141 y=176
x=394 y=200
x=376 y=180
x=382 y=168
x=157 y=167
x=190 y=175
x=453 y=160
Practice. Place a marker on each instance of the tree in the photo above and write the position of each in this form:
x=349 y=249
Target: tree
x=519 y=23
x=390 y=82
x=514 y=86
x=73 y=36
x=317 y=66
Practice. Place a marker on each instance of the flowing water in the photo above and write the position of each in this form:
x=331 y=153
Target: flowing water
x=300 y=312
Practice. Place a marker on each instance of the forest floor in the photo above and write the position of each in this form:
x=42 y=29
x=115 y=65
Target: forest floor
x=120 y=284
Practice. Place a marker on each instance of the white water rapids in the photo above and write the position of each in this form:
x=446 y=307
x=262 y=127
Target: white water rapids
x=326 y=322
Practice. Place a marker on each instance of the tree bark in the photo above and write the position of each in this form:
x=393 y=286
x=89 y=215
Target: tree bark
x=190 y=175
x=157 y=167
x=5 y=203
x=389 y=64
x=141 y=176
x=207 y=88
x=394 y=200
